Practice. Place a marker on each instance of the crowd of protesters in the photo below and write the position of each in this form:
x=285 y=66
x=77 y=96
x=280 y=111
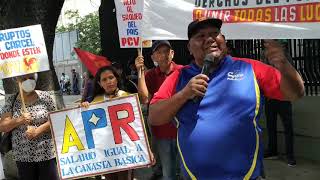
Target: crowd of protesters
x=195 y=123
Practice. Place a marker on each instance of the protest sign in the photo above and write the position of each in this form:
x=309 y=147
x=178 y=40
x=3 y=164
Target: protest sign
x=243 y=19
x=129 y=19
x=107 y=137
x=22 y=51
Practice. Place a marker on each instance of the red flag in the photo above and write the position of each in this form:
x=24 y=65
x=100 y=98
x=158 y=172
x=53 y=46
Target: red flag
x=91 y=61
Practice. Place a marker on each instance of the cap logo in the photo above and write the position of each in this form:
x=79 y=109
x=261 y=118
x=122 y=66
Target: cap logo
x=202 y=19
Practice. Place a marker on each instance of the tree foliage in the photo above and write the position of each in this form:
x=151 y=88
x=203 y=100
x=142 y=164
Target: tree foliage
x=19 y=13
x=88 y=28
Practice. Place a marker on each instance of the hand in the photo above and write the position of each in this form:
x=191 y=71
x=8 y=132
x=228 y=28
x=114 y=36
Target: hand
x=85 y=104
x=139 y=62
x=26 y=118
x=275 y=53
x=197 y=86
x=32 y=133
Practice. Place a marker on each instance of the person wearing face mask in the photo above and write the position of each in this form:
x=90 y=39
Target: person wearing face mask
x=218 y=132
x=164 y=136
x=32 y=143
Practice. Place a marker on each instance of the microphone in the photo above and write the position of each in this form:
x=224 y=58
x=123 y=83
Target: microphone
x=208 y=61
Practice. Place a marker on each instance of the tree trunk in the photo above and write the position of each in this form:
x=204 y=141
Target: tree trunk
x=19 y=13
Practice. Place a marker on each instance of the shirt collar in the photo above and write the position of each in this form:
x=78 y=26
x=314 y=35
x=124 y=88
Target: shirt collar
x=172 y=68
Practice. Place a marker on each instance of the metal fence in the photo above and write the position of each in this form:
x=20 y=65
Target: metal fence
x=306 y=55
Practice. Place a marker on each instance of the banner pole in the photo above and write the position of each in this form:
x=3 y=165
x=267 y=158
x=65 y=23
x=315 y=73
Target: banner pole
x=140 y=54
x=23 y=104
x=22 y=98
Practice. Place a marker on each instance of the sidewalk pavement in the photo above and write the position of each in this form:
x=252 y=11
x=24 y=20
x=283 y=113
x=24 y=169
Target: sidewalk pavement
x=275 y=170
x=304 y=170
x=71 y=100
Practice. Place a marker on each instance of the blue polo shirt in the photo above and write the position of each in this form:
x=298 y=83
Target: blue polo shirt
x=219 y=138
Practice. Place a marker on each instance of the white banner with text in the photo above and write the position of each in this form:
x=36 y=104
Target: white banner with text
x=243 y=19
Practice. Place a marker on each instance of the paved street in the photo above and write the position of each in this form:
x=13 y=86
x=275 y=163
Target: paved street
x=275 y=169
x=305 y=170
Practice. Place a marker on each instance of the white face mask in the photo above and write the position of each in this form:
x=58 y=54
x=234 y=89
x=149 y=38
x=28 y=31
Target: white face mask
x=28 y=85
x=155 y=63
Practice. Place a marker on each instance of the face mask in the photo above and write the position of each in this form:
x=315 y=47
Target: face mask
x=155 y=63
x=28 y=85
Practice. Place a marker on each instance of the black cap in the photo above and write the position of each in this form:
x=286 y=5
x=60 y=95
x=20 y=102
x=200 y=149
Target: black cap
x=159 y=43
x=198 y=24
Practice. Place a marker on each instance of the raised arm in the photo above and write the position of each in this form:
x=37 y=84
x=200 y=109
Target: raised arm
x=291 y=84
x=142 y=86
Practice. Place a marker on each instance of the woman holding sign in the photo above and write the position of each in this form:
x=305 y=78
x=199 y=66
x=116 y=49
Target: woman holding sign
x=32 y=143
x=106 y=86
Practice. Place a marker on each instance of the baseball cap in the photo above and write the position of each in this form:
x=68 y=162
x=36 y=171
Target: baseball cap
x=198 y=24
x=159 y=43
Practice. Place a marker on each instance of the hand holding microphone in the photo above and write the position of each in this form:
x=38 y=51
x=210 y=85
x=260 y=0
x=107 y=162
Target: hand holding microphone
x=196 y=87
x=208 y=63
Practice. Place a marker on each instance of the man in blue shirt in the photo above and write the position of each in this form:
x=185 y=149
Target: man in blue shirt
x=218 y=136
